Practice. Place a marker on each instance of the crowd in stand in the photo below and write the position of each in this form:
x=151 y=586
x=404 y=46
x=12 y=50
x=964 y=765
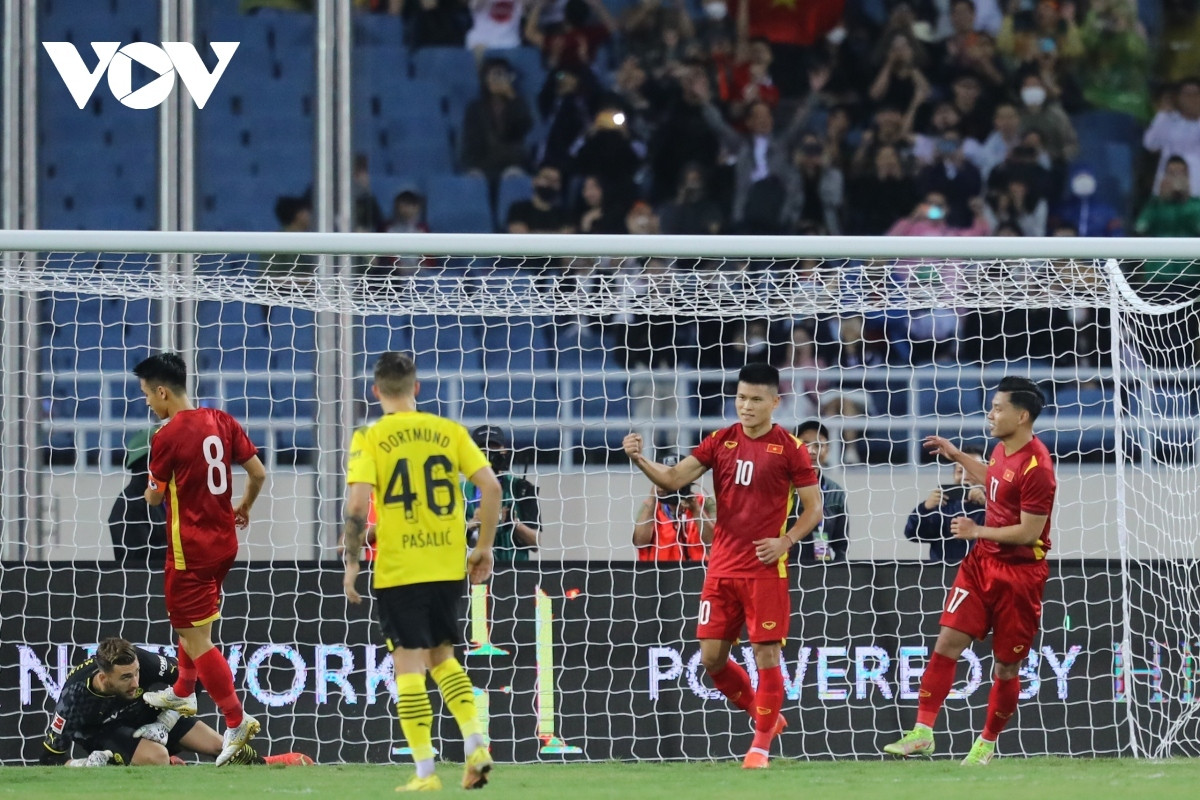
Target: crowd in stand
x=909 y=117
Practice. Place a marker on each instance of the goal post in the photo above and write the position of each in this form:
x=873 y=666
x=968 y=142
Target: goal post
x=578 y=649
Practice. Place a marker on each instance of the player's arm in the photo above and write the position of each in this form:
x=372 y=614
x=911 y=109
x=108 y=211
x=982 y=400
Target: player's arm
x=773 y=548
x=527 y=516
x=256 y=478
x=670 y=478
x=708 y=520
x=479 y=560
x=975 y=468
x=160 y=468
x=56 y=745
x=354 y=534
x=1026 y=532
x=643 y=526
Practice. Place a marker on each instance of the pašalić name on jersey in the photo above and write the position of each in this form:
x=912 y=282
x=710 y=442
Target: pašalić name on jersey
x=403 y=437
x=425 y=539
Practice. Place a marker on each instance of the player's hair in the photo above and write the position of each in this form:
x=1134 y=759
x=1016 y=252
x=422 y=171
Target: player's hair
x=814 y=425
x=1024 y=394
x=972 y=450
x=114 y=652
x=760 y=375
x=395 y=374
x=164 y=369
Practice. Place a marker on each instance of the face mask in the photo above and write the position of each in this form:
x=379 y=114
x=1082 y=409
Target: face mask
x=836 y=36
x=936 y=212
x=1083 y=185
x=947 y=147
x=547 y=194
x=1033 y=95
x=715 y=11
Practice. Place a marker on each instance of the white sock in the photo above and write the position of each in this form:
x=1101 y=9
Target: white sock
x=473 y=743
x=425 y=768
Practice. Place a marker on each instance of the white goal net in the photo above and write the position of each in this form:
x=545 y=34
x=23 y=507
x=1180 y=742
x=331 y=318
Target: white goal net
x=582 y=647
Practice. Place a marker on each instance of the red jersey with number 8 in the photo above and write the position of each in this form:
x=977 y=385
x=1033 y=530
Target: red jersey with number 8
x=191 y=462
x=752 y=481
x=1022 y=481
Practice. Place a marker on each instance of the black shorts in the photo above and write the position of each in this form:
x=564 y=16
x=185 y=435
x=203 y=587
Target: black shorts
x=420 y=616
x=119 y=738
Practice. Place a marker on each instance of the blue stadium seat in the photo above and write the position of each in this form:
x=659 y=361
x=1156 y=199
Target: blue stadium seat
x=446 y=344
x=293 y=336
x=1080 y=417
x=452 y=68
x=379 y=333
x=248 y=400
x=1108 y=126
x=231 y=336
x=516 y=343
x=294 y=400
x=377 y=30
x=512 y=188
x=416 y=145
x=458 y=204
x=949 y=396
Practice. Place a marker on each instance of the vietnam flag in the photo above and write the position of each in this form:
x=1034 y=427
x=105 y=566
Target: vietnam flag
x=798 y=22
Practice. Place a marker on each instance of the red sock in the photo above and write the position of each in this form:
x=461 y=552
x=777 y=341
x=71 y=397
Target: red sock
x=218 y=682
x=1002 y=704
x=935 y=685
x=768 y=700
x=185 y=684
x=734 y=683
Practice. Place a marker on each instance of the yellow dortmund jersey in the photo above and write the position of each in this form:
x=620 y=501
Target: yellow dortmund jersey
x=413 y=460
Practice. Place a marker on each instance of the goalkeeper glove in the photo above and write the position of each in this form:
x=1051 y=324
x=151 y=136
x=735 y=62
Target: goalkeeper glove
x=97 y=758
x=160 y=729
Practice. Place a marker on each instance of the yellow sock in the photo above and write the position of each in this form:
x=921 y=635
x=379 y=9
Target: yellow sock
x=458 y=694
x=416 y=715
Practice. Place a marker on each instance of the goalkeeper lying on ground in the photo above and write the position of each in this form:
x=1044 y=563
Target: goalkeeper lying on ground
x=100 y=708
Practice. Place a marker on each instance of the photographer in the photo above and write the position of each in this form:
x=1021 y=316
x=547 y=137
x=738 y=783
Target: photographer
x=675 y=526
x=520 y=514
x=930 y=521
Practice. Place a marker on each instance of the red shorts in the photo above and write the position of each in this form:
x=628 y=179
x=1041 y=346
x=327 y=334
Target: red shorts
x=1000 y=596
x=763 y=605
x=194 y=595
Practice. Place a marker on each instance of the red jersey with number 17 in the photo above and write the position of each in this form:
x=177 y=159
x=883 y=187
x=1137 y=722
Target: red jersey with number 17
x=191 y=462
x=1022 y=481
x=752 y=481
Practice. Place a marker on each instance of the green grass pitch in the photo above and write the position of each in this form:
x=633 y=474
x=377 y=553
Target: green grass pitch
x=1004 y=779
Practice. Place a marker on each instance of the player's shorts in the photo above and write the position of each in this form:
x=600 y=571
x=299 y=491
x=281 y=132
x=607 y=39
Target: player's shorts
x=118 y=737
x=763 y=605
x=1001 y=596
x=194 y=595
x=420 y=616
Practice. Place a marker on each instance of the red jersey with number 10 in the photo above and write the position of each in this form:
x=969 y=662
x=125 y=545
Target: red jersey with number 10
x=191 y=462
x=1023 y=481
x=752 y=481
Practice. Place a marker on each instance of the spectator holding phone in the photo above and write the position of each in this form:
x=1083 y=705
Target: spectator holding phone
x=930 y=520
x=675 y=526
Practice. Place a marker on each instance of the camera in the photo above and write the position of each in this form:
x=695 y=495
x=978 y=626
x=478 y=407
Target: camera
x=954 y=492
x=685 y=493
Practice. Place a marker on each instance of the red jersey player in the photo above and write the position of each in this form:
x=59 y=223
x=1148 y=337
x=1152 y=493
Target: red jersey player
x=191 y=460
x=755 y=464
x=999 y=586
